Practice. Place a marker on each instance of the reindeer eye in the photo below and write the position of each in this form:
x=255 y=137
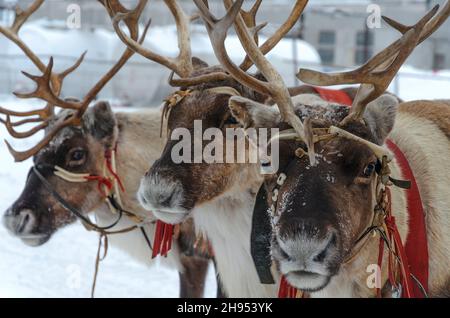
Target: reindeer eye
x=231 y=121
x=369 y=170
x=77 y=156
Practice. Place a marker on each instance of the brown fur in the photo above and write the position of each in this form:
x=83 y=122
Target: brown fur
x=422 y=133
x=436 y=111
x=138 y=143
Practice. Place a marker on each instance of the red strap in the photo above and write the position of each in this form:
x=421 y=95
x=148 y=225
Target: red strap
x=380 y=262
x=101 y=181
x=416 y=247
x=108 y=156
x=335 y=96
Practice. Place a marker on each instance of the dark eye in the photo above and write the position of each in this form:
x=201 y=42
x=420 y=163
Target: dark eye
x=231 y=121
x=369 y=170
x=77 y=157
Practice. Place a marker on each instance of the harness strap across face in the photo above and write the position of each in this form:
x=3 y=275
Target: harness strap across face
x=66 y=205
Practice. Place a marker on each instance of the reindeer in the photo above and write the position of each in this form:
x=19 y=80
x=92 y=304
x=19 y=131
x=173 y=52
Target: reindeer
x=225 y=189
x=77 y=141
x=336 y=187
x=221 y=198
x=222 y=192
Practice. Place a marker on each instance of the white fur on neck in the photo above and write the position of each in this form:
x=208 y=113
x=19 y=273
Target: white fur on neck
x=139 y=144
x=227 y=223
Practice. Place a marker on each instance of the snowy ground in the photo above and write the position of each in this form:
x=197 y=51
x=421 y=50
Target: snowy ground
x=64 y=266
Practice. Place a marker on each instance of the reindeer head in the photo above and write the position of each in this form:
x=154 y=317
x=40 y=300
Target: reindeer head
x=319 y=211
x=201 y=124
x=172 y=189
x=37 y=214
x=76 y=138
x=317 y=207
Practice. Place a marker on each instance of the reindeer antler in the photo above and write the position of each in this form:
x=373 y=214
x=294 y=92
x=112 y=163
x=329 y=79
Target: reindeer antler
x=49 y=85
x=376 y=75
x=271 y=42
x=275 y=86
x=182 y=64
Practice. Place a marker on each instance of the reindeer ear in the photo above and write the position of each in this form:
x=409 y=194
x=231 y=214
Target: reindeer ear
x=253 y=114
x=380 y=116
x=101 y=123
x=198 y=63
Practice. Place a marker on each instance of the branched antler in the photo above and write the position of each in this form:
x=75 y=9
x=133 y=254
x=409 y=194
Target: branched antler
x=182 y=64
x=49 y=84
x=12 y=33
x=271 y=42
x=376 y=75
x=275 y=86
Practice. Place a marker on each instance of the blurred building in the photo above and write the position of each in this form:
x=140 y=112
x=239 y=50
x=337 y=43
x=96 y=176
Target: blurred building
x=341 y=35
x=337 y=28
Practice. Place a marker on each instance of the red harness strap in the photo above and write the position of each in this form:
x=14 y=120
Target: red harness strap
x=416 y=247
x=335 y=96
x=164 y=232
x=162 y=242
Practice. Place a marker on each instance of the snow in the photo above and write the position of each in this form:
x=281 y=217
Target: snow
x=64 y=266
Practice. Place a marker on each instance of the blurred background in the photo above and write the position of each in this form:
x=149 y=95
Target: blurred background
x=332 y=35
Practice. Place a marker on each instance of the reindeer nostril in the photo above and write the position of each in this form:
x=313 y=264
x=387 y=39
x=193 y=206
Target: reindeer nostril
x=8 y=212
x=319 y=258
x=166 y=202
x=25 y=218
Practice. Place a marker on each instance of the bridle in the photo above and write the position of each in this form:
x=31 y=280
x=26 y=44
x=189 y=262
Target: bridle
x=382 y=222
x=66 y=205
x=109 y=186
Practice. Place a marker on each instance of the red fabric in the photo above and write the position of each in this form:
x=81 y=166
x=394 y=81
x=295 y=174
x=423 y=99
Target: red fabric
x=286 y=290
x=335 y=96
x=101 y=181
x=163 y=239
x=416 y=248
x=108 y=158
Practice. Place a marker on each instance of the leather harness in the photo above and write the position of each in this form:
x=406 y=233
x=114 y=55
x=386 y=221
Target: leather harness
x=416 y=245
x=404 y=264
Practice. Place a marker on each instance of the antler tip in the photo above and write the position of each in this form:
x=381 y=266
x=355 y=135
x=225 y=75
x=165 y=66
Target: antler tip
x=16 y=155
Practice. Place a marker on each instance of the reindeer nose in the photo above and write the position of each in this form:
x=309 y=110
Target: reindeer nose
x=309 y=243
x=158 y=191
x=19 y=222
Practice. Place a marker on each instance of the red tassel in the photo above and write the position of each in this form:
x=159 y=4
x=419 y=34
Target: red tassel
x=380 y=262
x=286 y=290
x=394 y=236
x=157 y=239
x=163 y=239
x=406 y=274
